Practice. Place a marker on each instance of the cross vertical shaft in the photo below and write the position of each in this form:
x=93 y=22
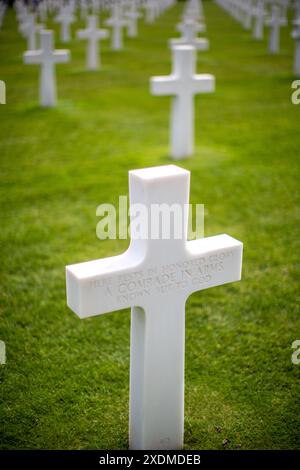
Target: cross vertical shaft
x=48 y=93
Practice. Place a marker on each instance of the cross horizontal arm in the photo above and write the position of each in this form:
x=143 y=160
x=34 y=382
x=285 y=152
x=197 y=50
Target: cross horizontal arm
x=116 y=22
x=83 y=34
x=102 y=34
x=214 y=261
x=199 y=27
x=33 y=57
x=133 y=15
x=98 y=287
x=164 y=85
x=67 y=19
x=203 y=83
x=201 y=44
x=123 y=281
x=61 y=56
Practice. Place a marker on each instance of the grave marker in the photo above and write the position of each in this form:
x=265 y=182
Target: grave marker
x=94 y=35
x=47 y=57
x=189 y=36
x=29 y=28
x=117 y=22
x=132 y=15
x=275 y=22
x=296 y=36
x=259 y=19
x=65 y=18
x=199 y=26
x=151 y=11
x=154 y=278
x=182 y=84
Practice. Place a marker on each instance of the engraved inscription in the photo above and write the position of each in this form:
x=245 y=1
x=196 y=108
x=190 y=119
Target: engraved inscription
x=162 y=279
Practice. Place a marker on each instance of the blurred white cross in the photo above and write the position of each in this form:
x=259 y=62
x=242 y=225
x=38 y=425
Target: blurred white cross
x=47 y=57
x=117 y=22
x=94 y=35
x=183 y=84
x=65 y=18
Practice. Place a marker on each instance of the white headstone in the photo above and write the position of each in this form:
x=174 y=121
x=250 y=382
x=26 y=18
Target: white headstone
x=96 y=7
x=29 y=28
x=2 y=13
x=297 y=9
x=47 y=58
x=132 y=15
x=193 y=10
x=151 y=11
x=21 y=12
x=154 y=278
x=42 y=10
x=259 y=19
x=284 y=5
x=247 y=14
x=83 y=9
x=65 y=18
x=296 y=36
x=189 y=37
x=199 y=26
x=182 y=84
x=275 y=22
x=117 y=22
x=93 y=34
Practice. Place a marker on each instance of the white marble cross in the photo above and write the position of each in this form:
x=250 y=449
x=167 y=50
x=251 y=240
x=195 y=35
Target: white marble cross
x=29 y=28
x=151 y=11
x=259 y=19
x=117 y=22
x=193 y=10
x=284 y=5
x=96 y=7
x=65 y=18
x=296 y=36
x=42 y=10
x=297 y=10
x=154 y=278
x=21 y=13
x=93 y=34
x=247 y=14
x=200 y=27
x=275 y=22
x=84 y=8
x=47 y=57
x=3 y=8
x=182 y=84
x=189 y=37
x=132 y=15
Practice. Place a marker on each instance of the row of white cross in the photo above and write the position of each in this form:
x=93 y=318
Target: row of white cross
x=182 y=84
x=124 y=13
x=257 y=14
x=47 y=57
x=66 y=12
x=118 y=20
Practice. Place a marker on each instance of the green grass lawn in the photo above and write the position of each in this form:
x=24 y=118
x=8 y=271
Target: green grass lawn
x=66 y=381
